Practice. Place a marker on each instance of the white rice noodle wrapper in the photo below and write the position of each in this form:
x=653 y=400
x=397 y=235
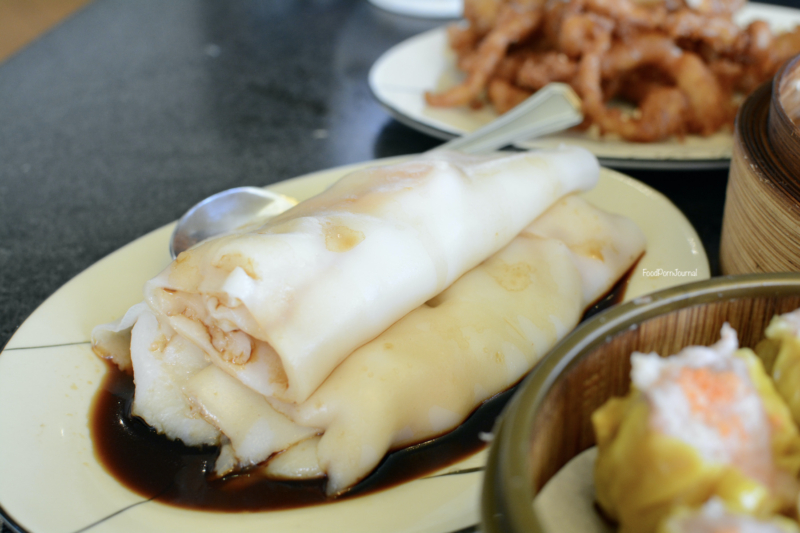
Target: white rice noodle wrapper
x=113 y=341
x=590 y=236
x=298 y=462
x=281 y=306
x=163 y=363
x=425 y=374
x=182 y=395
x=254 y=428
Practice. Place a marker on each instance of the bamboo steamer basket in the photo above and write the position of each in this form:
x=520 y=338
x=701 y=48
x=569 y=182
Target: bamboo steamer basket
x=761 y=223
x=547 y=423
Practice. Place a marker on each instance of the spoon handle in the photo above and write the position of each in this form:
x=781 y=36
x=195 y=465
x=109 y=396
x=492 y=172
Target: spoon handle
x=552 y=108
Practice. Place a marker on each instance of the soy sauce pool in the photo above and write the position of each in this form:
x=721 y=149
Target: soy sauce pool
x=172 y=473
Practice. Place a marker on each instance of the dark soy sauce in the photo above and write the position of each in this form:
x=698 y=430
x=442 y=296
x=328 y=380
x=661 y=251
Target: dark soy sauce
x=170 y=472
x=156 y=467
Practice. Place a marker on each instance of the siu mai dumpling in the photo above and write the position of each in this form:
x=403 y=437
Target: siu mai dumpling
x=701 y=423
x=780 y=352
x=715 y=517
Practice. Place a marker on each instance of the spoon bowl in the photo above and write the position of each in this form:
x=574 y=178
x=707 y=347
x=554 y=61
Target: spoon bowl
x=224 y=212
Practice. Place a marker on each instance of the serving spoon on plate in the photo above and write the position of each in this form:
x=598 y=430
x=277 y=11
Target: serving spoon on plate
x=552 y=108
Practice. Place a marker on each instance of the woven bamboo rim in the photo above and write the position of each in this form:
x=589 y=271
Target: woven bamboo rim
x=761 y=223
x=547 y=423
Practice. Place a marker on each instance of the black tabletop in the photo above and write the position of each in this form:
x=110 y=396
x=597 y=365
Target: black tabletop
x=128 y=113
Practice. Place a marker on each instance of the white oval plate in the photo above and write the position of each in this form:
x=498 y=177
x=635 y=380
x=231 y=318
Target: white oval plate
x=51 y=481
x=438 y=9
x=400 y=77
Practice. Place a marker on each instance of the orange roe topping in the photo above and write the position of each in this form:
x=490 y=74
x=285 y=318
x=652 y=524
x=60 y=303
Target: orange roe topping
x=707 y=391
x=775 y=421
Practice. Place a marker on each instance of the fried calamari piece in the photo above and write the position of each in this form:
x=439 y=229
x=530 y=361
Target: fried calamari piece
x=584 y=33
x=513 y=25
x=505 y=96
x=462 y=39
x=628 y=13
x=663 y=110
x=509 y=67
x=719 y=32
x=786 y=45
x=481 y=14
x=635 y=85
x=650 y=48
x=543 y=68
x=715 y=6
x=709 y=105
x=728 y=72
x=553 y=16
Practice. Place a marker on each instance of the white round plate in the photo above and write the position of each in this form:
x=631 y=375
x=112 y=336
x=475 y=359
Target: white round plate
x=435 y=9
x=566 y=502
x=51 y=481
x=400 y=77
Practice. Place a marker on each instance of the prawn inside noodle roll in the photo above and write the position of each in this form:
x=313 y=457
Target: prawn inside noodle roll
x=369 y=317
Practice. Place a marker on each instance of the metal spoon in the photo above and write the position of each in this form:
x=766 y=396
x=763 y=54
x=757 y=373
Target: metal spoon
x=226 y=211
x=553 y=108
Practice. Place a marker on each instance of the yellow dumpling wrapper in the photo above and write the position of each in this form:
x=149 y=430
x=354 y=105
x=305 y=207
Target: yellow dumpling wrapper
x=780 y=352
x=740 y=445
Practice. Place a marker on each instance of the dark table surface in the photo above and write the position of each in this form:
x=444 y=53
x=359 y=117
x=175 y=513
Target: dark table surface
x=127 y=114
